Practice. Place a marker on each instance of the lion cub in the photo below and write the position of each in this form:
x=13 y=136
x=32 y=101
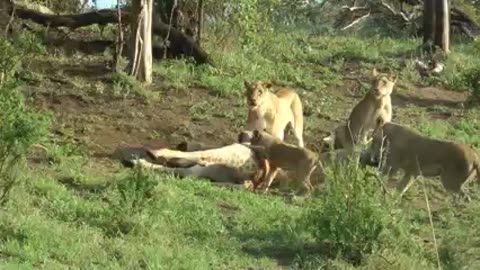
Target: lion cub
x=281 y=155
x=415 y=154
x=376 y=104
x=274 y=111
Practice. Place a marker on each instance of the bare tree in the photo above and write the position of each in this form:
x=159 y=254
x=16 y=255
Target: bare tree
x=442 y=25
x=120 y=40
x=428 y=21
x=436 y=24
x=141 y=38
x=199 y=21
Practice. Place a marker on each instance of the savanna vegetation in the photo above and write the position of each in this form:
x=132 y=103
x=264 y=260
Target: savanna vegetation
x=65 y=105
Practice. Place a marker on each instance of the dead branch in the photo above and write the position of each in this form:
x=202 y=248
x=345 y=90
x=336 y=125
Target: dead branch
x=394 y=12
x=356 y=21
x=180 y=44
x=353 y=15
x=355 y=9
x=10 y=21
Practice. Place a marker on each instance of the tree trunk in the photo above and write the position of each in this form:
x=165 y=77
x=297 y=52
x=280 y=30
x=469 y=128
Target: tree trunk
x=428 y=21
x=141 y=38
x=199 y=21
x=442 y=25
x=120 y=40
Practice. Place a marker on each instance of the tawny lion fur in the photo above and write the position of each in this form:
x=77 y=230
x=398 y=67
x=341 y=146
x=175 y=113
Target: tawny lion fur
x=274 y=111
x=280 y=155
x=376 y=104
x=401 y=148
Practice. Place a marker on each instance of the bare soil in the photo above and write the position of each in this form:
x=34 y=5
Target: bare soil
x=101 y=123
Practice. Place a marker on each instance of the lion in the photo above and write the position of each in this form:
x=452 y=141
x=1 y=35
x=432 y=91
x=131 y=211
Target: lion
x=235 y=163
x=363 y=117
x=235 y=155
x=400 y=148
x=280 y=155
x=274 y=111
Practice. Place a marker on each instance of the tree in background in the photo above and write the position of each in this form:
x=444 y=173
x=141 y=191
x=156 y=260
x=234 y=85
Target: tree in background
x=436 y=24
x=141 y=38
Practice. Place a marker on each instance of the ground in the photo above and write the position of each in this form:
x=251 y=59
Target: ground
x=102 y=123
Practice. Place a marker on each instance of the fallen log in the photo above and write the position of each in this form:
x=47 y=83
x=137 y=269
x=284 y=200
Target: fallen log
x=179 y=43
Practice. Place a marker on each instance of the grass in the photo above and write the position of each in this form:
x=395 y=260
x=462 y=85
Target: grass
x=67 y=215
x=187 y=224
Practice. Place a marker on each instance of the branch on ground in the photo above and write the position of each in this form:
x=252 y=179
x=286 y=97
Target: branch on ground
x=179 y=43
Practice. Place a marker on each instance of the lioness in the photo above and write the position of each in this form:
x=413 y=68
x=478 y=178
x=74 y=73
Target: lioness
x=403 y=148
x=274 y=112
x=363 y=118
x=281 y=155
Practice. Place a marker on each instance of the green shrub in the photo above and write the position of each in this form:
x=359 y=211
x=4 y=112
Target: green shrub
x=132 y=195
x=355 y=217
x=20 y=128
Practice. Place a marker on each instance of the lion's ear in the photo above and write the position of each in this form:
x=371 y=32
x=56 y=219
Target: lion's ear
x=374 y=72
x=392 y=77
x=268 y=84
x=246 y=84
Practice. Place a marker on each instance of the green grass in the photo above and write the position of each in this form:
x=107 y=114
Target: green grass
x=66 y=215
x=181 y=224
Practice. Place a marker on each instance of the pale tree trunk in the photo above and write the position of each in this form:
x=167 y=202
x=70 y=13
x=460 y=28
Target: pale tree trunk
x=141 y=33
x=436 y=24
x=442 y=25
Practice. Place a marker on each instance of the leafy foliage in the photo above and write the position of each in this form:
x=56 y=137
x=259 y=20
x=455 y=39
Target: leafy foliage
x=20 y=128
x=354 y=217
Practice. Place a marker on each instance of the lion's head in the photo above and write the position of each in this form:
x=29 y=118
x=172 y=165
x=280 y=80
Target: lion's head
x=382 y=83
x=256 y=91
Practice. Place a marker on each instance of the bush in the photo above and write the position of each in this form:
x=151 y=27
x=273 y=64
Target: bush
x=472 y=80
x=20 y=128
x=133 y=194
x=354 y=218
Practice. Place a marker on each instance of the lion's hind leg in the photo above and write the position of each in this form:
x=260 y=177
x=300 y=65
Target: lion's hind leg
x=455 y=183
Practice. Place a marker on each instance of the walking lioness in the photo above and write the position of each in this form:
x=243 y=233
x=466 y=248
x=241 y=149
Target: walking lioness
x=274 y=111
x=405 y=149
x=376 y=104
